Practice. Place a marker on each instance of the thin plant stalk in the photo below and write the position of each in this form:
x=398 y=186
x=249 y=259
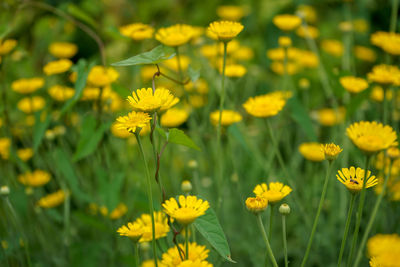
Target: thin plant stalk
x=285 y=250
x=393 y=17
x=346 y=228
x=372 y=218
x=321 y=202
x=265 y=237
x=359 y=213
x=137 y=262
x=150 y=198
x=186 y=242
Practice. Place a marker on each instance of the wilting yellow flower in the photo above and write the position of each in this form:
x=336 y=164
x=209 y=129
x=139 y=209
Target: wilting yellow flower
x=312 y=151
x=27 y=86
x=332 y=47
x=137 y=31
x=308 y=32
x=100 y=76
x=31 y=104
x=160 y=223
x=353 y=179
x=25 y=153
x=63 y=49
x=274 y=192
x=52 y=200
x=234 y=70
x=61 y=93
x=171 y=258
x=6 y=46
x=256 y=204
x=228 y=117
x=371 y=137
x=307 y=12
x=34 y=179
x=172 y=63
x=196 y=263
x=132 y=121
x=119 y=211
x=133 y=230
x=287 y=22
x=364 y=53
x=331 y=151
x=267 y=105
x=174 y=117
x=188 y=210
x=387 y=41
x=145 y=100
x=175 y=35
x=385 y=74
x=5 y=147
x=378 y=93
x=225 y=30
x=353 y=84
x=331 y=117
x=232 y=13
x=58 y=66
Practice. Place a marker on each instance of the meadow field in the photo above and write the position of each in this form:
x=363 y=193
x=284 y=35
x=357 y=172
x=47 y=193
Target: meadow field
x=199 y=133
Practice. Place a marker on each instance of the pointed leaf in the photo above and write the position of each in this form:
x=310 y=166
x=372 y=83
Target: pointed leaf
x=176 y=136
x=40 y=129
x=155 y=56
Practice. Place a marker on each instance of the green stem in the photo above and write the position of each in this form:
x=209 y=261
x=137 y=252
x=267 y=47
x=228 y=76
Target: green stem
x=321 y=202
x=150 y=198
x=385 y=106
x=359 y=213
x=372 y=218
x=265 y=237
x=67 y=219
x=137 y=262
x=346 y=229
x=393 y=18
x=186 y=242
x=285 y=250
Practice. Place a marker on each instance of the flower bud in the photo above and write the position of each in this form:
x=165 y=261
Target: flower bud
x=186 y=186
x=192 y=164
x=284 y=209
x=284 y=41
x=4 y=190
x=256 y=204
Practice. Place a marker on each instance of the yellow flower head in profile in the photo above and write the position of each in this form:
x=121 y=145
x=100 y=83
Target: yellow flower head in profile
x=393 y=152
x=175 y=35
x=100 y=76
x=61 y=93
x=196 y=263
x=364 y=53
x=225 y=31
x=6 y=46
x=287 y=22
x=132 y=121
x=371 y=137
x=188 y=210
x=172 y=258
x=174 y=117
x=385 y=74
x=5 y=147
x=36 y=178
x=263 y=106
x=228 y=117
x=58 y=66
x=380 y=244
x=232 y=13
x=27 y=86
x=63 y=49
x=308 y=32
x=284 y=41
x=332 y=47
x=353 y=84
x=274 y=192
x=279 y=68
x=331 y=117
x=161 y=226
x=377 y=94
x=331 y=151
x=312 y=151
x=137 y=31
x=387 y=41
x=25 y=153
x=52 y=200
x=256 y=204
x=31 y=104
x=120 y=133
x=119 y=211
x=145 y=100
x=353 y=179
x=234 y=70
x=133 y=230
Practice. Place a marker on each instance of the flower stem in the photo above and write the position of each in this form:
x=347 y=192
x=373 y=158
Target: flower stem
x=321 y=202
x=346 y=229
x=137 y=264
x=359 y=213
x=186 y=242
x=372 y=218
x=393 y=18
x=150 y=198
x=285 y=250
x=264 y=234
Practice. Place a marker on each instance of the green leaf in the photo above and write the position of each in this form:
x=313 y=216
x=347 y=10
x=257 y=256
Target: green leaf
x=176 y=136
x=209 y=227
x=155 y=56
x=162 y=132
x=300 y=115
x=40 y=129
x=194 y=73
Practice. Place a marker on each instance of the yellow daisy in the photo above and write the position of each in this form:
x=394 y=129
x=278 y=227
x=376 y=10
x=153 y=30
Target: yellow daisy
x=132 y=230
x=274 y=192
x=353 y=179
x=228 y=117
x=58 y=66
x=171 y=258
x=312 y=151
x=160 y=222
x=225 y=30
x=264 y=105
x=52 y=200
x=256 y=204
x=331 y=151
x=63 y=49
x=147 y=101
x=132 y=121
x=188 y=210
x=175 y=35
x=353 y=84
x=287 y=22
x=34 y=179
x=174 y=117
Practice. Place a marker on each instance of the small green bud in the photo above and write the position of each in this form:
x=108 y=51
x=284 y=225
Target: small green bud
x=284 y=209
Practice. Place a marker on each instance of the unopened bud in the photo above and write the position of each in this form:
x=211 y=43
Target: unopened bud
x=4 y=190
x=284 y=209
x=186 y=186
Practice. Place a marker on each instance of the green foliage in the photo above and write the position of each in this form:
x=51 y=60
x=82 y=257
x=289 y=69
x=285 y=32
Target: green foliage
x=176 y=136
x=155 y=56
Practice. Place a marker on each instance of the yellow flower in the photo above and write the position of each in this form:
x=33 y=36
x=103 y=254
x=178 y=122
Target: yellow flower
x=256 y=204
x=332 y=47
x=196 y=263
x=6 y=46
x=393 y=152
x=371 y=137
x=36 y=178
x=100 y=76
x=312 y=151
x=225 y=30
x=137 y=31
x=279 y=68
x=243 y=53
x=5 y=147
x=385 y=74
x=145 y=100
x=171 y=258
x=133 y=230
x=274 y=193
x=353 y=179
x=119 y=211
x=331 y=151
x=172 y=63
x=353 y=84
x=386 y=259
x=387 y=41
x=234 y=70
x=287 y=22
x=58 y=66
x=188 y=210
x=31 y=104
x=52 y=200
x=228 y=117
x=25 y=153
x=63 y=49
x=61 y=93
x=267 y=105
x=307 y=12
x=284 y=41
x=132 y=121
x=377 y=94
x=27 y=86
x=174 y=117
x=381 y=243
x=120 y=133
x=160 y=222
x=364 y=53
x=175 y=35
x=307 y=32
x=232 y=13
x=331 y=117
